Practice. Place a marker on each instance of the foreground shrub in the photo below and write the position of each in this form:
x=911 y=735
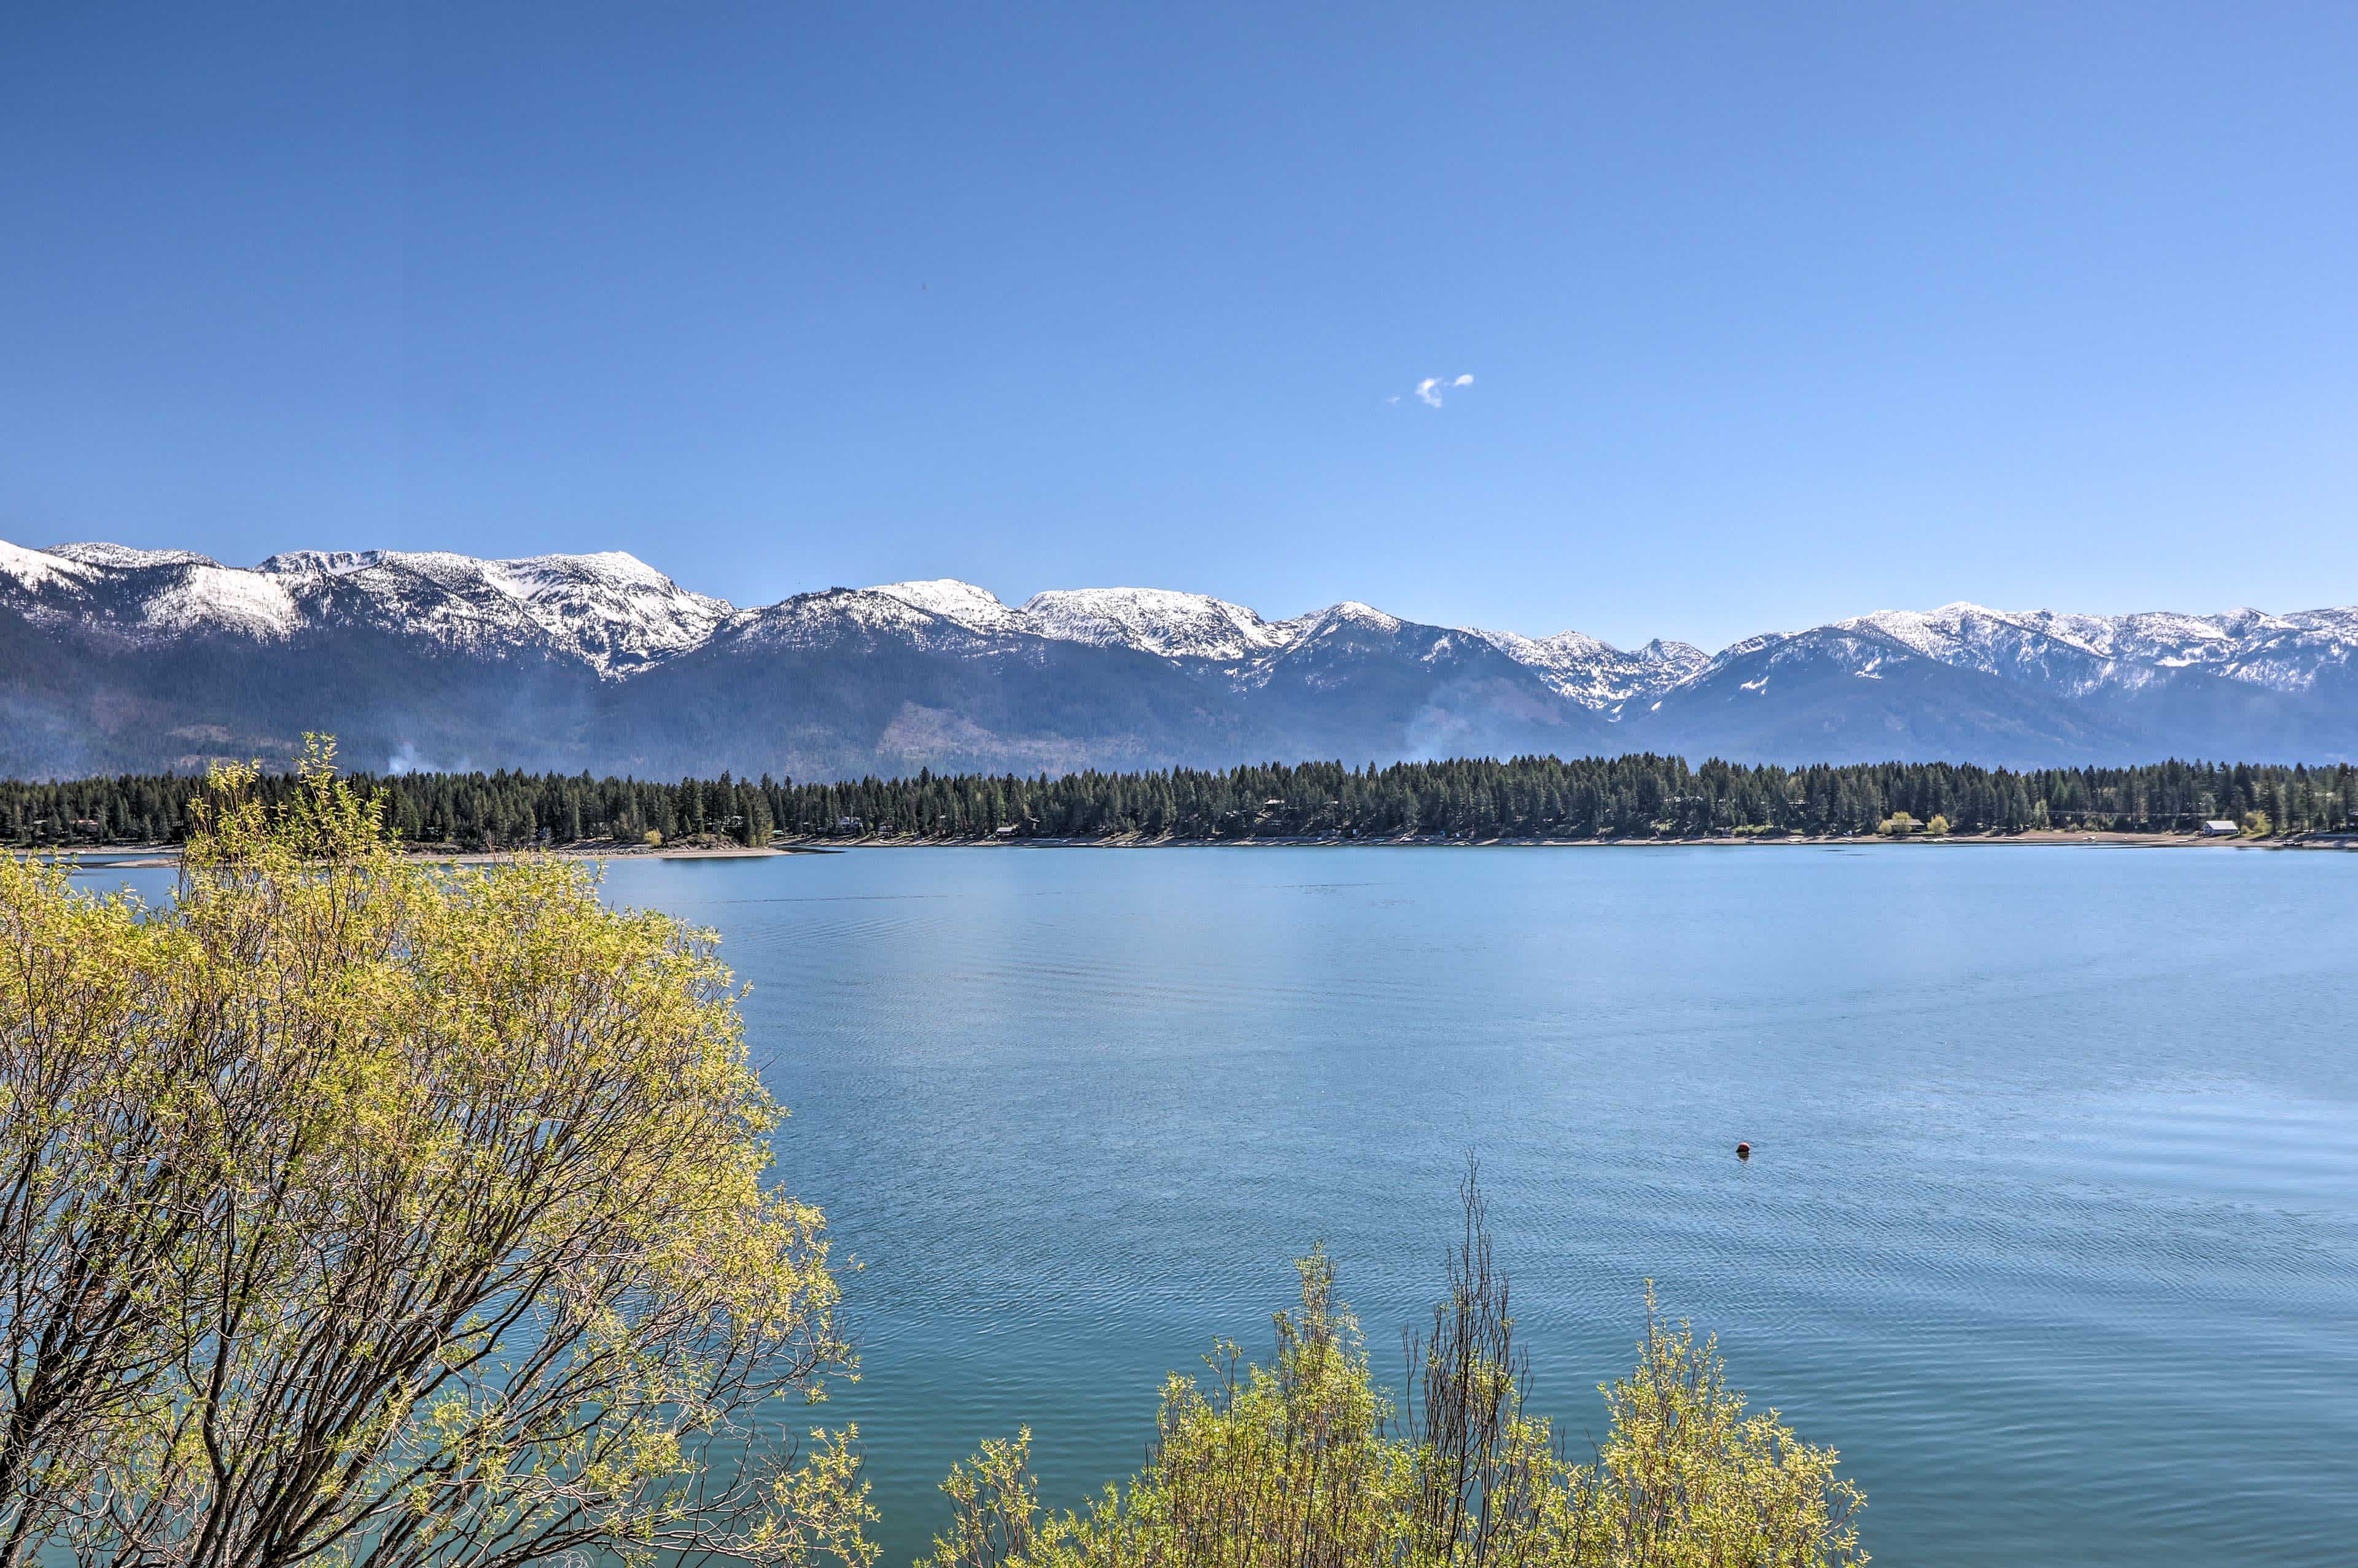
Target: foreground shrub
x=1305 y=1463
x=360 y=1211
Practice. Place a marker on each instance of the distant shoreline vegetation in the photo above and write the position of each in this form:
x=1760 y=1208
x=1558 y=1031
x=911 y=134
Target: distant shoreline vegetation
x=1626 y=797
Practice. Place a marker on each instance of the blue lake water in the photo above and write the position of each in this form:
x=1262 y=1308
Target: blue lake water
x=2051 y=1226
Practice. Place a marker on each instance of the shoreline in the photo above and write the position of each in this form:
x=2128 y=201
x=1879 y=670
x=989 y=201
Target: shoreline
x=165 y=856
x=2054 y=839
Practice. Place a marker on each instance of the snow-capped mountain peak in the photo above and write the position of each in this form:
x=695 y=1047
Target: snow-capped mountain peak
x=327 y=563
x=610 y=617
x=1348 y=615
x=122 y=558
x=1937 y=633
x=1594 y=674
x=146 y=595
x=1155 y=620
x=977 y=609
x=608 y=610
x=2081 y=652
x=32 y=568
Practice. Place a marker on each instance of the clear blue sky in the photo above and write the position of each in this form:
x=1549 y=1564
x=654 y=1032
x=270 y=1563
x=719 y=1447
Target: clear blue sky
x=1773 y=313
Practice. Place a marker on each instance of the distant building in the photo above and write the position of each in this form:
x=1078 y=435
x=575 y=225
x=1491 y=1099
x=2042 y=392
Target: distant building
x=2216 y=828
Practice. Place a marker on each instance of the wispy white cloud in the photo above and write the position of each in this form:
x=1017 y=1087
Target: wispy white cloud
x=1430 y=389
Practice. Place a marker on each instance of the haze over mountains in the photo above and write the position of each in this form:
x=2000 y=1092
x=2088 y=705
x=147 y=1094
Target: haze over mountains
x=116 y=659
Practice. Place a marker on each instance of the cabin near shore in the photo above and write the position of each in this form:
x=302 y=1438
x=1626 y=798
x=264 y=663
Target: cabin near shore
x=2216 y=828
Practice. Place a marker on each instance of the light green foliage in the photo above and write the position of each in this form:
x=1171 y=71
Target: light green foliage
x=375 y=1213
x=1687 y=1479
x=1899 y=825
x=1938 y=826
x=1306 y=1463
x=2255 y=825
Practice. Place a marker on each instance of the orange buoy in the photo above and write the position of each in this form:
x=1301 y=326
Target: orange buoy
x=1743 y=1150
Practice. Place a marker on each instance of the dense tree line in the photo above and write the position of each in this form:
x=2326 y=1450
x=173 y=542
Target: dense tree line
x=1633 y=796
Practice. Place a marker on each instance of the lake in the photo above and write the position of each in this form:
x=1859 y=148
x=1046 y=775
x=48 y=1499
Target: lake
x=2051 y=1225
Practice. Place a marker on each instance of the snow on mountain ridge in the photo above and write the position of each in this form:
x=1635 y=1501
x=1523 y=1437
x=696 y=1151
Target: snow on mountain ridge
x=2075 y=655
x=150 y=595
x=1741 y=649
x=1932 y=632
x=31 y=568
x=609 y=610
x=615 y=614
x=122 y=558
x=520 y=577
x=327 y=563
x=1156 y=621
x=1350 y=612
x=2162 y=637
x=817 y=618
x=977 y=609
x=227 y=597
x=1594 y=674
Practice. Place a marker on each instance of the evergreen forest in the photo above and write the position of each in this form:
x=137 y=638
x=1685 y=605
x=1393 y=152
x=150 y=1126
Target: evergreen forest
x=1641 y=796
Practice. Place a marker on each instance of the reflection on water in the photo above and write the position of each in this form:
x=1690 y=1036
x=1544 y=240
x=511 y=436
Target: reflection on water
x=2051 y=1224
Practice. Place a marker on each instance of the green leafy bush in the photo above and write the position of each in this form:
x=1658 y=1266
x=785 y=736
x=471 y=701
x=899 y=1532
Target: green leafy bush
x=1307 y=1462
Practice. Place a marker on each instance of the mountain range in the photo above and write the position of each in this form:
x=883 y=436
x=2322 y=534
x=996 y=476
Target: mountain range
x=114 y=659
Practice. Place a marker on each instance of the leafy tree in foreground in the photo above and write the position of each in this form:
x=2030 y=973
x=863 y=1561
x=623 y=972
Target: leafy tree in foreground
x=1306 y=1463
x=362 y=1212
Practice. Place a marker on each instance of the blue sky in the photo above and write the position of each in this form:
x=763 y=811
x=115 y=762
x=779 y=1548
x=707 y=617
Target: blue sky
x=1773 y=313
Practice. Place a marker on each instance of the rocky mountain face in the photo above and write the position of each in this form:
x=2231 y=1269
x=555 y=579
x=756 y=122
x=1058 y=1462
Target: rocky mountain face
x=114 y=659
